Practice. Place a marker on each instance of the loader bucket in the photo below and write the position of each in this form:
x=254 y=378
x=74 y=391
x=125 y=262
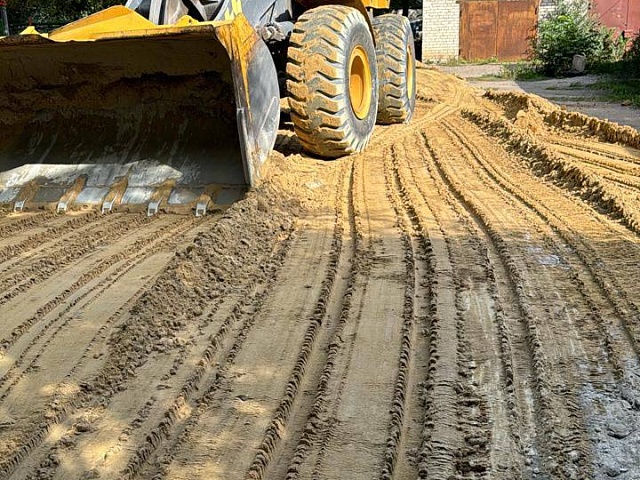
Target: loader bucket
x=117 y=112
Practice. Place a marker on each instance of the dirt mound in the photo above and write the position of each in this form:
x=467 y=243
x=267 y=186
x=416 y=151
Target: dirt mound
x=238 y=248
x=545 y=162
x=528 y=110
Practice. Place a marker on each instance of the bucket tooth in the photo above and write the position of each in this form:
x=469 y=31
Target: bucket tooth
x=71 y=194
x=201 y=209
x=148 y=182
x=114 y=195
x=18 y=206
x=25 y=196
x=153 y=208
x=107 y=206
x=112 y=198
x=203 y=204
x=162 y=191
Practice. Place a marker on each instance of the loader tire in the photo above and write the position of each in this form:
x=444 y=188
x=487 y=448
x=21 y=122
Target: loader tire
x=332 y=81
x=396 y=58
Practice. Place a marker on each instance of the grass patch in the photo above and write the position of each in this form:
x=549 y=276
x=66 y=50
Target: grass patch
x=572 y=86
x=525 y=71
x=485 y=78
x=622 y=90
x=458 y=62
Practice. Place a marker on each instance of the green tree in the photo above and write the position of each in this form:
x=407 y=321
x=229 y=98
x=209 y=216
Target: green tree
x=631 y=58
x=20 y=12
x=572 y=30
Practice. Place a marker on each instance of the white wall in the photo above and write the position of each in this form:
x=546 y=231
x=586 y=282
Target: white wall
x=440 y=30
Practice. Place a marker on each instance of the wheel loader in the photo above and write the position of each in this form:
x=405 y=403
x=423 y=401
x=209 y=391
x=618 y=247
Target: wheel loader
x=175 y=104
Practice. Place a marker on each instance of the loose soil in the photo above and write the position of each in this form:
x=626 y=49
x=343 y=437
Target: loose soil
x=460 y=301
x=572 y=93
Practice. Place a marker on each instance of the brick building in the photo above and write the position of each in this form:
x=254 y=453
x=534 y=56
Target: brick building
x=500 y=29
x=479 y=29
x=440 y=30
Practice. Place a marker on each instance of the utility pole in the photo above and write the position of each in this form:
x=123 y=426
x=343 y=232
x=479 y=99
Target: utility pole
x=5 y=19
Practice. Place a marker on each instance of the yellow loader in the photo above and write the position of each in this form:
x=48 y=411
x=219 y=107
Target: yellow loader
x=175 y=104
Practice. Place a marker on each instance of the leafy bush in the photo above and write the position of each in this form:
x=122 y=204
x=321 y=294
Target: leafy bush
x=572 y=30
x=631 y=59
x=521 y=71
x=23 y=12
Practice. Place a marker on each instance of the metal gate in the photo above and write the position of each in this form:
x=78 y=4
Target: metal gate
x=624 y=15
x=497 y=29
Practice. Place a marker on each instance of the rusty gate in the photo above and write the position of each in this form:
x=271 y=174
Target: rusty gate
x=623 y=15
x=497 y=29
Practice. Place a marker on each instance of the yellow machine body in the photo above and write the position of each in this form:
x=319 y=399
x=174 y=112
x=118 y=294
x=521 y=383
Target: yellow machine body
x=116 y=111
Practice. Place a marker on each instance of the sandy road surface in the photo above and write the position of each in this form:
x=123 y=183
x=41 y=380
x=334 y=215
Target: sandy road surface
x=573 y=93
x=461 y=301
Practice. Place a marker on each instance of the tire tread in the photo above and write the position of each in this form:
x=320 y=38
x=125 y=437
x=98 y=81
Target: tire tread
x=392 y=33
x=318 y=103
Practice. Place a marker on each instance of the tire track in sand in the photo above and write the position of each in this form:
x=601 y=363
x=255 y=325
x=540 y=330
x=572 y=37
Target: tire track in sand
x=498 y=364
x=308 y=417
x=13 y=224
x=602 y=162
x=30 y=252
x=568 y=225
x=360 y=394
x=166 y=391
x=241 y=398
x=50 y=261
x=608 y=254
x=63 y=356
x=46 y=455
x=36 y=339
x=610 y=154
x=21 y=317
x=36 y=237
x=408 y=408
x=572 y=450
x=565 y=449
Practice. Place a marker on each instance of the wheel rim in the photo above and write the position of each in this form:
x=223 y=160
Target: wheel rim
x=411 y=81
x=360 y=83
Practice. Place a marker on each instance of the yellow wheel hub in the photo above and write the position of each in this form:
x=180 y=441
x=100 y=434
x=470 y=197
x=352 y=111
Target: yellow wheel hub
x=360 y=83
x=411 y=80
